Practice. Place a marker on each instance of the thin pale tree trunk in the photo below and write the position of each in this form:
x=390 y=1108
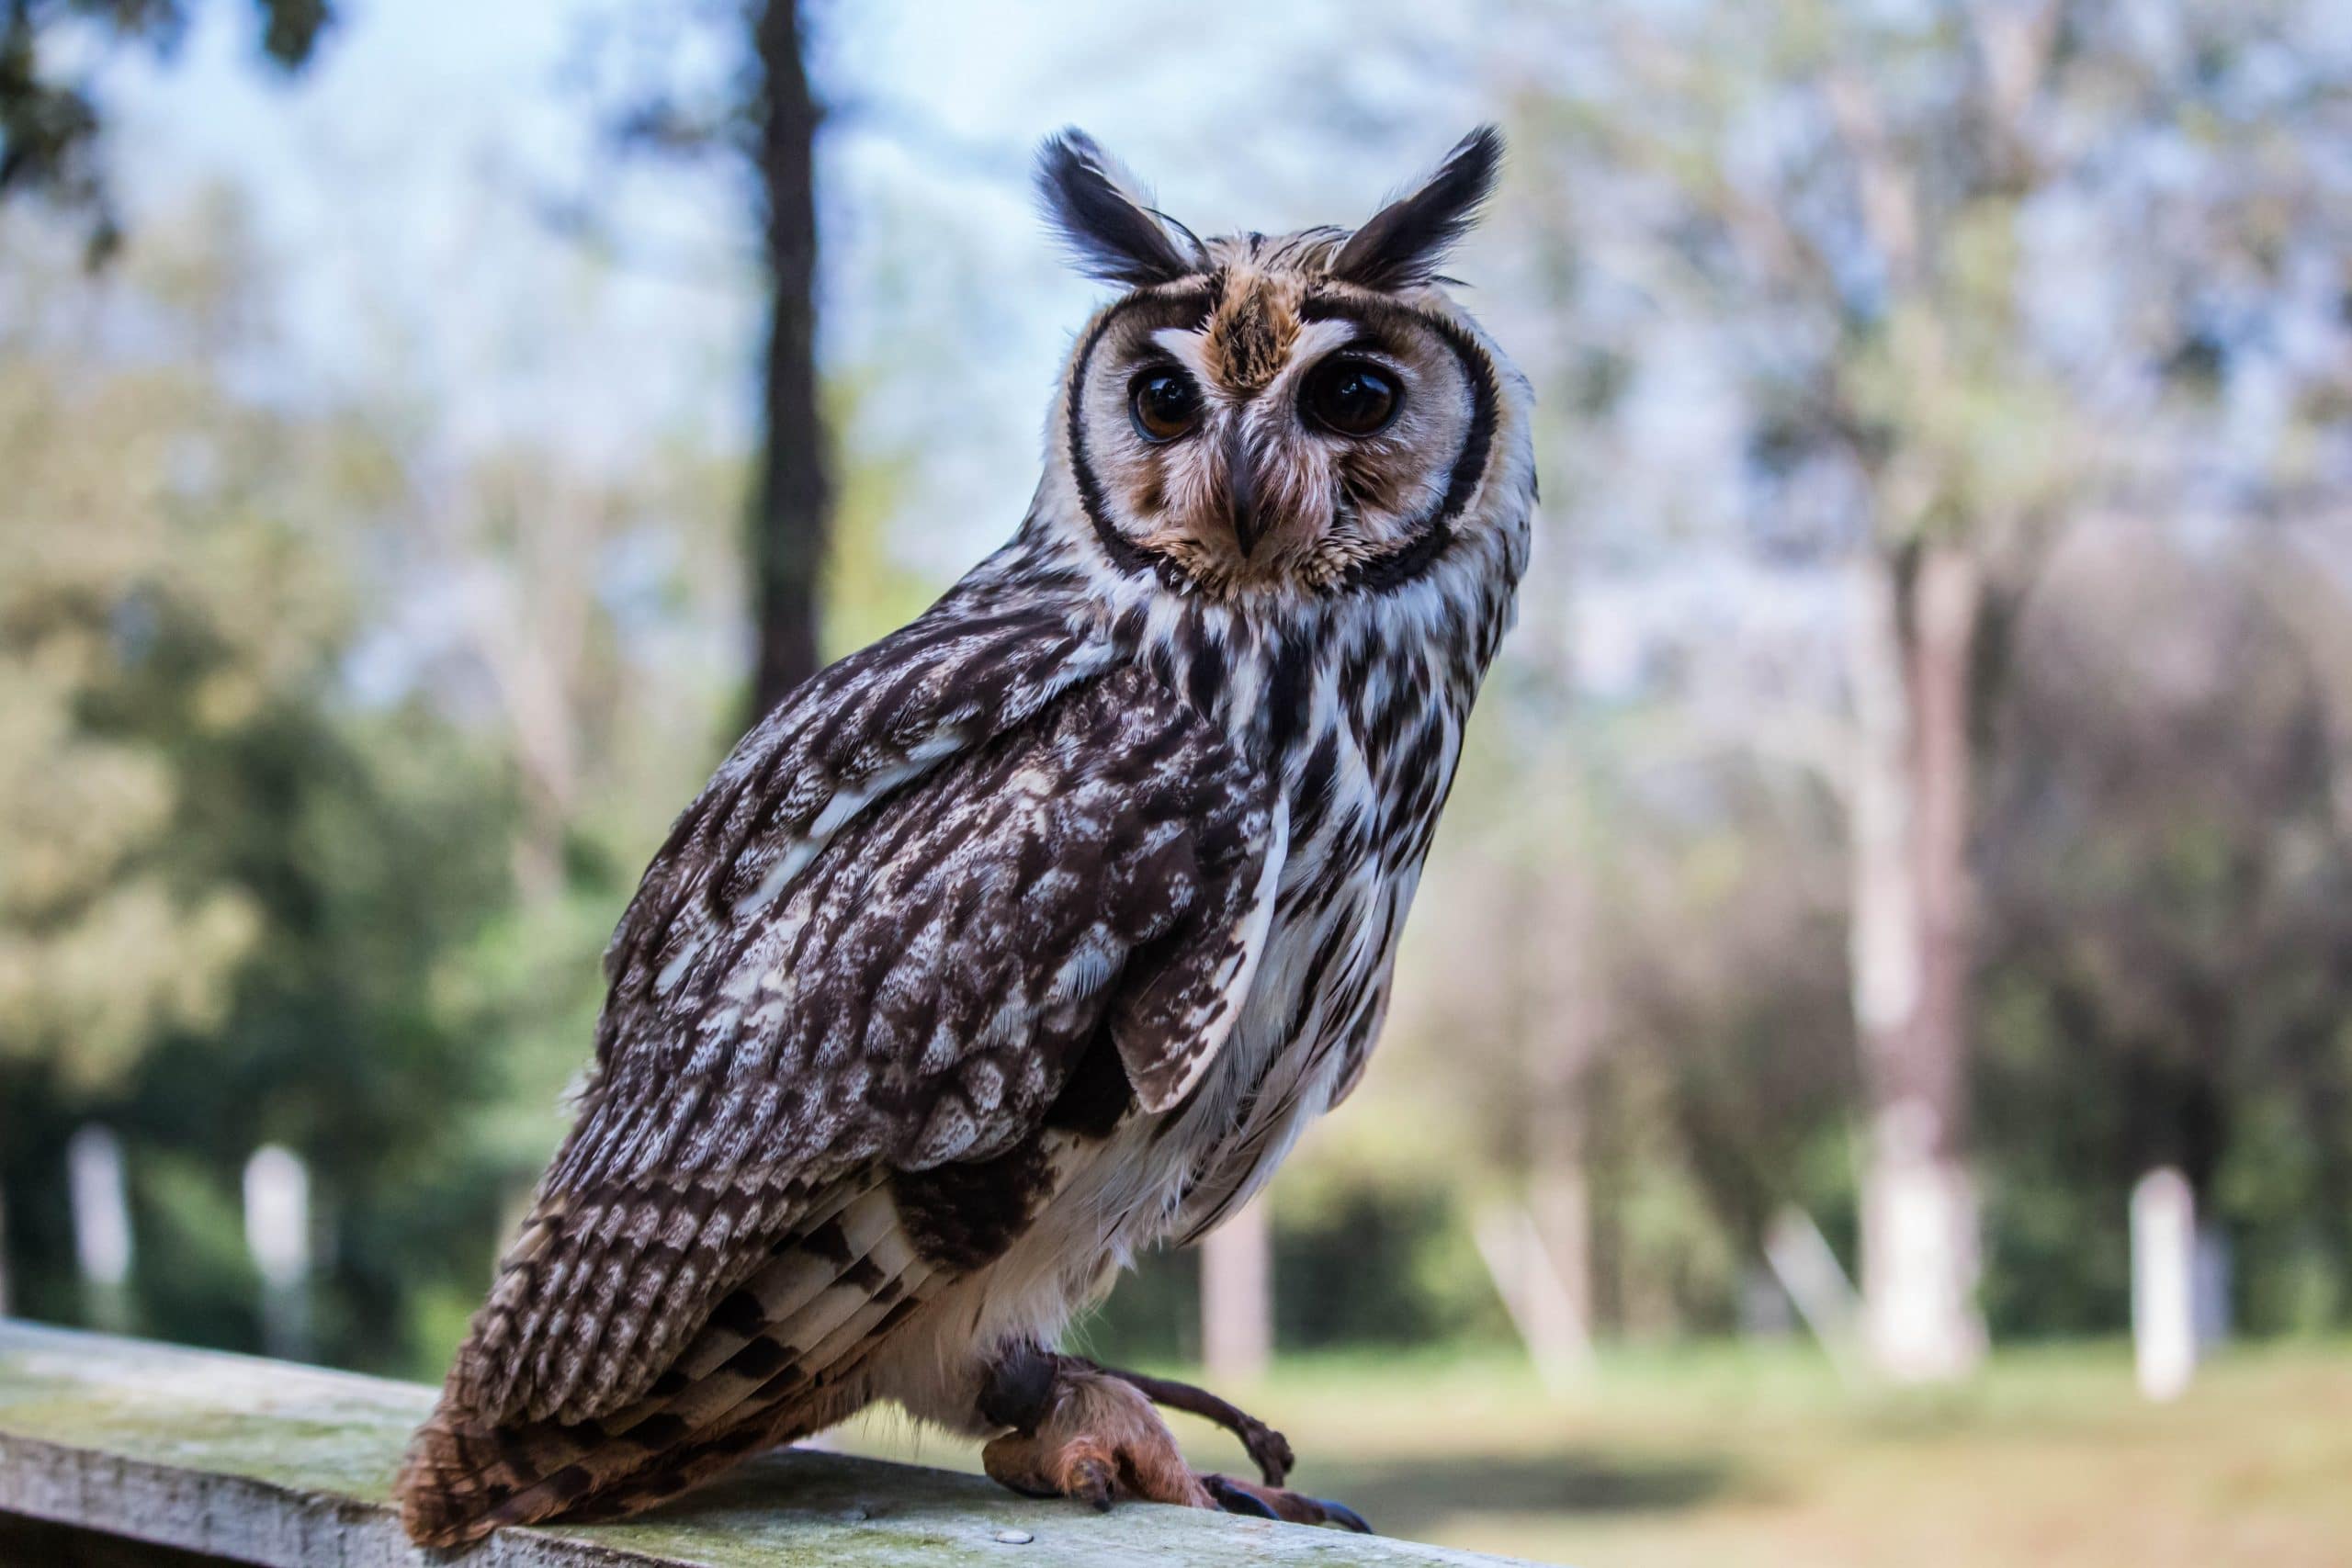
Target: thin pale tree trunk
x=1237 y=1296
x=1560 y=1203
x=1556 y=1003
x=1913 y=648
x=1561 y=1039
x=792 y=497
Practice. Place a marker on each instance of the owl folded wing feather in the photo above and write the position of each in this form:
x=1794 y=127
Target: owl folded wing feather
x=1035 y=849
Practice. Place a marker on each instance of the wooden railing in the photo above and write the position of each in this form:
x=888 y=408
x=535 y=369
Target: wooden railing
x=120 y=1453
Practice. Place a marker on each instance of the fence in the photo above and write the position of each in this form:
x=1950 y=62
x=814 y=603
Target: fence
x=118 y=1451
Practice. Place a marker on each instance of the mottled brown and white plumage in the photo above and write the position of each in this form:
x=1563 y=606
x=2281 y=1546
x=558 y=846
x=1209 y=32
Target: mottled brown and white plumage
x=1031 y=935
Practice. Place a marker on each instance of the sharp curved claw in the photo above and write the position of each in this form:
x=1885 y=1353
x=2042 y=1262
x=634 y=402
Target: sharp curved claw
x=1027 y=1489
x=1271 y=1452
x=1342 y=1515
x=1238 y=1499
x=1093 y=1486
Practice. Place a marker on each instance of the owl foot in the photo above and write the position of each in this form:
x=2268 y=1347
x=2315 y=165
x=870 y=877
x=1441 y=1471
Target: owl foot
x=1084 y=1432
x=1097 y=1439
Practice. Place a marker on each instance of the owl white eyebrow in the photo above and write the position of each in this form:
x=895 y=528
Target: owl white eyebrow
x=1319 y=340
x=1188 y=346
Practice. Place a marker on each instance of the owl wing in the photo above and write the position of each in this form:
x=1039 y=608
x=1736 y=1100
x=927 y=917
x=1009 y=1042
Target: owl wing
x=884 y=935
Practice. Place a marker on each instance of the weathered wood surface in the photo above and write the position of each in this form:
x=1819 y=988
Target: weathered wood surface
x=260 y=1461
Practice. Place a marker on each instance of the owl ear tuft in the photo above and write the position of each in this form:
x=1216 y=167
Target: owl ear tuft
x=1113 y=230
x=1401 y=245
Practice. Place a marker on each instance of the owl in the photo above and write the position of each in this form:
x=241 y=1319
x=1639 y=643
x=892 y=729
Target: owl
x=1032 y=934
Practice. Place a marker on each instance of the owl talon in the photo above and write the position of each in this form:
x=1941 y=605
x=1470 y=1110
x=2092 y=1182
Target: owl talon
x=1274 y=1503
x=1092 y=1484
x=1235 y=1499
x=1342 y=1515
x=1270 y=1451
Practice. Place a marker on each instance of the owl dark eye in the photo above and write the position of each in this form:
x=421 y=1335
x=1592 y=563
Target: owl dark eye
x=1164 y=404
x=1350 y=397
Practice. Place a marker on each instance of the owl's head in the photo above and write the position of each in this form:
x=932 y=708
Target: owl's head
x=1300 y=412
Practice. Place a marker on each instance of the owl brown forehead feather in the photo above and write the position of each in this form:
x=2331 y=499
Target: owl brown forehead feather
x=1114 y=233
x=1250 y=332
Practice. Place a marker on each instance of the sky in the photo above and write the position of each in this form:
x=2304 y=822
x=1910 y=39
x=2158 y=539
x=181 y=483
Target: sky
x=401 y=187
x=396 y=188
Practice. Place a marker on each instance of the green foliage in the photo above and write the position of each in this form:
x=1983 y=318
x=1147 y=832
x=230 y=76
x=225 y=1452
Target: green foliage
x=1153 y=1317
x=328 y=762
x=1373 y=1241
x=2169 y=898
x=227 y=892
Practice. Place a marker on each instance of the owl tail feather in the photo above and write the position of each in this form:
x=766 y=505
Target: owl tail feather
x=459 y=1484
x=776 y=1361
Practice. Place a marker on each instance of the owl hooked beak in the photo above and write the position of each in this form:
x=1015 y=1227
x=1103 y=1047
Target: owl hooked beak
x=1241 y=491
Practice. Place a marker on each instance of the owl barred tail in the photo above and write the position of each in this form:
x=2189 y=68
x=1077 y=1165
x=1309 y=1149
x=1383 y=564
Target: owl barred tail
x=453 y=1477
x=459 y=1484
x=773 y=1364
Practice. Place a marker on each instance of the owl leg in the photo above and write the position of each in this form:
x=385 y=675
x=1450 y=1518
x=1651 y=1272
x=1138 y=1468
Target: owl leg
x=1081 y=1431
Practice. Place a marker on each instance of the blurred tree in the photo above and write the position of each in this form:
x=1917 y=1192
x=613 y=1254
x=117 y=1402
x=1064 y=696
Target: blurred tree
x=1527 y=999
x=222 y=895
x=758 y=116
x=2169 y=901
x=790 y=504
x=2305 y=575
x=51 y=127
x=1869 y=207
x=1692 y=1044
x=326 y=754
x=103 y=944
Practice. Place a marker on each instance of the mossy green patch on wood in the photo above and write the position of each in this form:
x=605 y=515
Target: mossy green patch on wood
x=296 y=1427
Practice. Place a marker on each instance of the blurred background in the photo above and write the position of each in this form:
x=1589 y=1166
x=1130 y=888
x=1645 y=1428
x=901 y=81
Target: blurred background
x=1872 y=1077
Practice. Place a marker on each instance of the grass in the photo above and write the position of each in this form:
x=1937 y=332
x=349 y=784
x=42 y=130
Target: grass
x=1724 y=1457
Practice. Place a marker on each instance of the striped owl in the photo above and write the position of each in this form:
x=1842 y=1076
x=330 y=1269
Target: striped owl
x=1031 y=935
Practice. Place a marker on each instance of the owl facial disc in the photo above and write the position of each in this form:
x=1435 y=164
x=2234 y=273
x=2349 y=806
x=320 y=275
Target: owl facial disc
x=1273 y=414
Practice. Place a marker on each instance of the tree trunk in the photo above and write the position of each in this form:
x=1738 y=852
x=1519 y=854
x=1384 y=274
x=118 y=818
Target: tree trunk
x=1562 y=1038
x=1237 y=1296
x=1559 y=1201
x=1556 y=999
x=1913 y=648
x=788 y=523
